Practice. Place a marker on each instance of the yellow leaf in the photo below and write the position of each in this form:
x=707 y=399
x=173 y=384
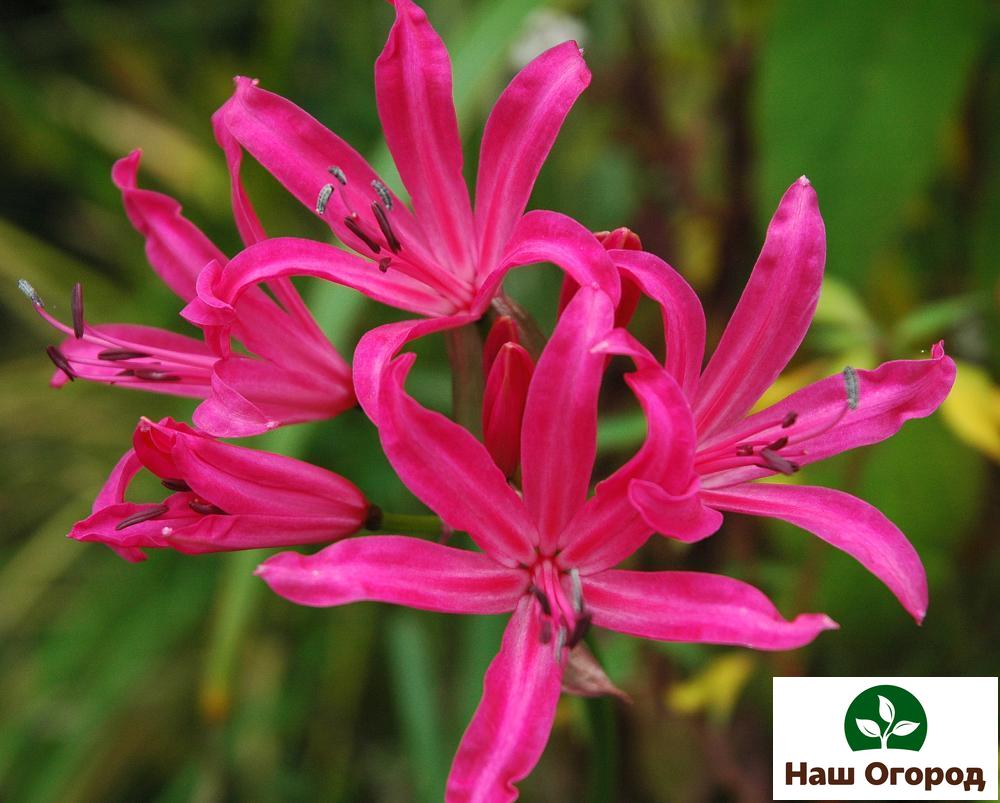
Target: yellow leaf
x=972 y=409
x=716 y=688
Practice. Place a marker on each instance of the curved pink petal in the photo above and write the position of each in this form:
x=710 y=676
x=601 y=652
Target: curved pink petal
x=378 y=346
x=772 y=315
x=543 y=236
x=887 y=397
x=618 y=239
x=175 y=247
x=396 y=569
x=104 y=525
x=683 y=516
x=695 y=607
x=452 y=473
x=559 y=432
x=850 y=524
x=415 y=105
x=503 y=406
x=113 y=490
x=247 y=223
x=252 y=396
x=518 y=136
x=511 y=726
x=683 y=318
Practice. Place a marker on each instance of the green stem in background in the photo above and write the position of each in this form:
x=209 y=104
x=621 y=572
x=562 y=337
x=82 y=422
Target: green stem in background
x=465 y=353
x=602 y=779
x=411 y=523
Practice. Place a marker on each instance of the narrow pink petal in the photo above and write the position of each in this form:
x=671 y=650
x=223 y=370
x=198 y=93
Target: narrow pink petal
x=396 y=569
x=559 y=433
x=511 y=726
x=415 y=105
x=503 y=406
x=227 y=533
x=543 y=236
x=772 y=315
x=102 y=526
x=683 y=516
x=175 y=247
x=378 y=346
x=247 y=223
x=620 y=238
x=889 y=396
x=113 y=490
x=683 y=318
x=519 y=135
x=848 y=523
x=695 y=607
x=452 y=473
x=252 y=396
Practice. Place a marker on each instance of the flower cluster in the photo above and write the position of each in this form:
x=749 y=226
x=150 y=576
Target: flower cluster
x=517 y=475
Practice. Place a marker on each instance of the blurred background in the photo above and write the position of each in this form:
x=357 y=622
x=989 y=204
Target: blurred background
x=185 y=679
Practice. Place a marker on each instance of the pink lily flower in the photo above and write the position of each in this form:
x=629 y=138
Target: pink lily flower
x=296 y=374
x=736 y=448
x=546 y=553
x=442 y=259
x=224 y=498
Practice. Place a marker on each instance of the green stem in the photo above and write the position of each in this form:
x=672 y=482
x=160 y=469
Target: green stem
x=465 y=353
x=411 y=523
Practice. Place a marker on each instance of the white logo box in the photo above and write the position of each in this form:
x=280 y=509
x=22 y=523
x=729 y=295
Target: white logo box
x=808 y=728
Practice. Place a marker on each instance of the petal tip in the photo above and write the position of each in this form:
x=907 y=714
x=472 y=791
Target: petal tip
x=804 y=181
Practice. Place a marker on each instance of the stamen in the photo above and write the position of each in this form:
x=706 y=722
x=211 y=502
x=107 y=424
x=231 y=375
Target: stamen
x=60 y=361
x=175 y=485
x=121 y=354
x=560 y=642
x=25 y=287
x=776 y=462
x=545 y=634
x=779 y=444
x=337 y=173
x=383 y=224
x=853 y=386
x=358 y=232
x=324 y=198
x=153 y=375
x=789 y=419
x=205 y=508
x=574 y=576
x=542 y=599
x=76 y=303
x=373 y=521
x=580 y=630
x=383 y=193
x=384 y=263
x=144 y=515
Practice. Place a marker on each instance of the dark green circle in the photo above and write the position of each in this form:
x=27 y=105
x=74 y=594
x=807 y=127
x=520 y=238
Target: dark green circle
x=905 y=708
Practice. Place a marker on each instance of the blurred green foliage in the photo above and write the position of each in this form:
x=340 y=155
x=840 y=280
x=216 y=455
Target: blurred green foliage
x=183 y=679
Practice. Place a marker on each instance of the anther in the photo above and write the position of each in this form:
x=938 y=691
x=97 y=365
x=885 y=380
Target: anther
x=140 y=517
x=580 y=630
x=324 y=198
x=779 y=444
x=25 y=287
x=153 y=375
x=357 y=231
x=383 y=193
x=76 y=304
x=776 y=462
x=112 y=355
x=60 y=361
x=745 y=450
x=373 y=521
x=205 y=508
x=542 y=599
x=853 y=386
x=574 y=576
x=559 y=643
x=545 y=634
x=383 y=224
x=384 y=263
x=338 y=174
x=175 y=485
x=789 y=419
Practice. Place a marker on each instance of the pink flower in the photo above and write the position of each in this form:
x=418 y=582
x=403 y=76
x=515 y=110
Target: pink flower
x=442 y=259
x=296 y=374
x=224 y=498
x=823 y=419
x=546 y=553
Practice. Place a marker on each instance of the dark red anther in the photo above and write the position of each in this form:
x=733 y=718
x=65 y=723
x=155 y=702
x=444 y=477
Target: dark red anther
x=580 y=630
x=542 y=599
x=144 y=515
x=744 y=450
x=779 y=444
x=152 y=375
x=126 y=372
x=373 y=521
x=384 y=263
x=120 y=354
x=60 y=361
x=788 y=420
x=383 y=223
x=76 y=304
x=545 y=633
x=357 y=231
x=203 y=507
x=776 y=462
x=175 y=485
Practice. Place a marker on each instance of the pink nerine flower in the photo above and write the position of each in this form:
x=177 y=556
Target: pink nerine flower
x=295 y=374
x=224 y=498
x=442 y=259
x=823 y=419
x=547 y=553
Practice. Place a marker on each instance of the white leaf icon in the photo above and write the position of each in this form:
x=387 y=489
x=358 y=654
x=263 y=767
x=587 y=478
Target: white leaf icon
x=885 y=709
x=904 y=728
x=868 y=727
